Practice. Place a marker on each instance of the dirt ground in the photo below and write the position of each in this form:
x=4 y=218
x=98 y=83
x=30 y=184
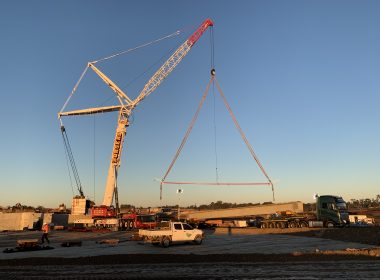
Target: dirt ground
x=207 y=270
x=365 y=235
x=344 y=264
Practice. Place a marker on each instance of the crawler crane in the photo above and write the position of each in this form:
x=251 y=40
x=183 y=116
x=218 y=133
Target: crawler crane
x=125 y=109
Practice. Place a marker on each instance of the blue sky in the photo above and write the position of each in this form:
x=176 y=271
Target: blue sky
x=302 y=78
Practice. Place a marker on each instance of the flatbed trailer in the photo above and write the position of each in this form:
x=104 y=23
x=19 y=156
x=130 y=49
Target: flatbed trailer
x=331 y=211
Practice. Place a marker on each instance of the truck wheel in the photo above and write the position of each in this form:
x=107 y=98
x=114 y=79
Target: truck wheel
x=131 y=225
x=271 y=225
x=263 y=225
x=292 y=225
x=303 y=224
x=281 y=225
x=198 y=240
x=165 y=242
x=330 y=224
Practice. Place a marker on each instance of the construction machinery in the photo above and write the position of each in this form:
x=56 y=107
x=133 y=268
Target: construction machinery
x=134 y=220
x=106 y=214
x=331 y=211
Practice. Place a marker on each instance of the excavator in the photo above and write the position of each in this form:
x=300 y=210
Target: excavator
x=106 y=214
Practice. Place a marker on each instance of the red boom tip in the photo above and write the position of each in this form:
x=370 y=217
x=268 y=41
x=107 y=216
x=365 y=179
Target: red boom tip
x=193 y=38
x=208 y=22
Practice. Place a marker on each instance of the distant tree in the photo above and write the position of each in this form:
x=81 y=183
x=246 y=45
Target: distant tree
x=221 y=205
x=364 y=203
x=18 y=207
x=29 y=209
x=267 y=202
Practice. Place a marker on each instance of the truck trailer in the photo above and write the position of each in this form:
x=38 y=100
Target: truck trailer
x=331 y=211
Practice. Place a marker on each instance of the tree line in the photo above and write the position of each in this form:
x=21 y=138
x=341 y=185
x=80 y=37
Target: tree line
x=352 y=204
x=364 y=203
x=216 y=205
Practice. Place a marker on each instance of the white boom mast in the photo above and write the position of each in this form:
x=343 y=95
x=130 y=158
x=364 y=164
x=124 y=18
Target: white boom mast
x=127 y=105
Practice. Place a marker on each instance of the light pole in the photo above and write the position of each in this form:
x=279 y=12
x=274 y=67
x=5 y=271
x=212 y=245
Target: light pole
x=179 y=191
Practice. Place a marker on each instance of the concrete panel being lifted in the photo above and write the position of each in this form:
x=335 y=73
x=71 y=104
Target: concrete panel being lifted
x=296 y=207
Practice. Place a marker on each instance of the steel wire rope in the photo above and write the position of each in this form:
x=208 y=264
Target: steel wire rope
x=94 y=156
x=215 y=137
x=269 y=183
x=186 y=136
x=138 y=47
x=212 y=47
x=112 y=56
x=74 y=89
x=68 y=170
x=72 y=161
x=214 y=102
x=146 y=70
x=244 y=137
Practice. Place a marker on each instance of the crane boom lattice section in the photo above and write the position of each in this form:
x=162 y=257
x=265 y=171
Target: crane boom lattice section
x=163 y=72
x=172 y=62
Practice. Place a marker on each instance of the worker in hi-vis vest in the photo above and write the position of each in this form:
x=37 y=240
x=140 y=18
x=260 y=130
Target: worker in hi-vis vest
x=45 y=230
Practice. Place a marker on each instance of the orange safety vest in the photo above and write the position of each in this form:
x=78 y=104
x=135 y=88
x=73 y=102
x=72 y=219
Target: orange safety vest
x=45 y=228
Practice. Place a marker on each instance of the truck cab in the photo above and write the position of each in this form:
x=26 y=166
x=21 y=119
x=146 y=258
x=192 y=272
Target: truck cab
x=332 y=211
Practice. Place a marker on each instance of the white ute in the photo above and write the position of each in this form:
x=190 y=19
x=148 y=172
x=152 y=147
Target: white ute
x=171 y=232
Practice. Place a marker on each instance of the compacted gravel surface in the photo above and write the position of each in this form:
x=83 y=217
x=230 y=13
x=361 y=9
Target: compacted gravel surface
x=351 y=253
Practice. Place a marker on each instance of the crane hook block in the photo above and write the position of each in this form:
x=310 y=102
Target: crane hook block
x=212 y=72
